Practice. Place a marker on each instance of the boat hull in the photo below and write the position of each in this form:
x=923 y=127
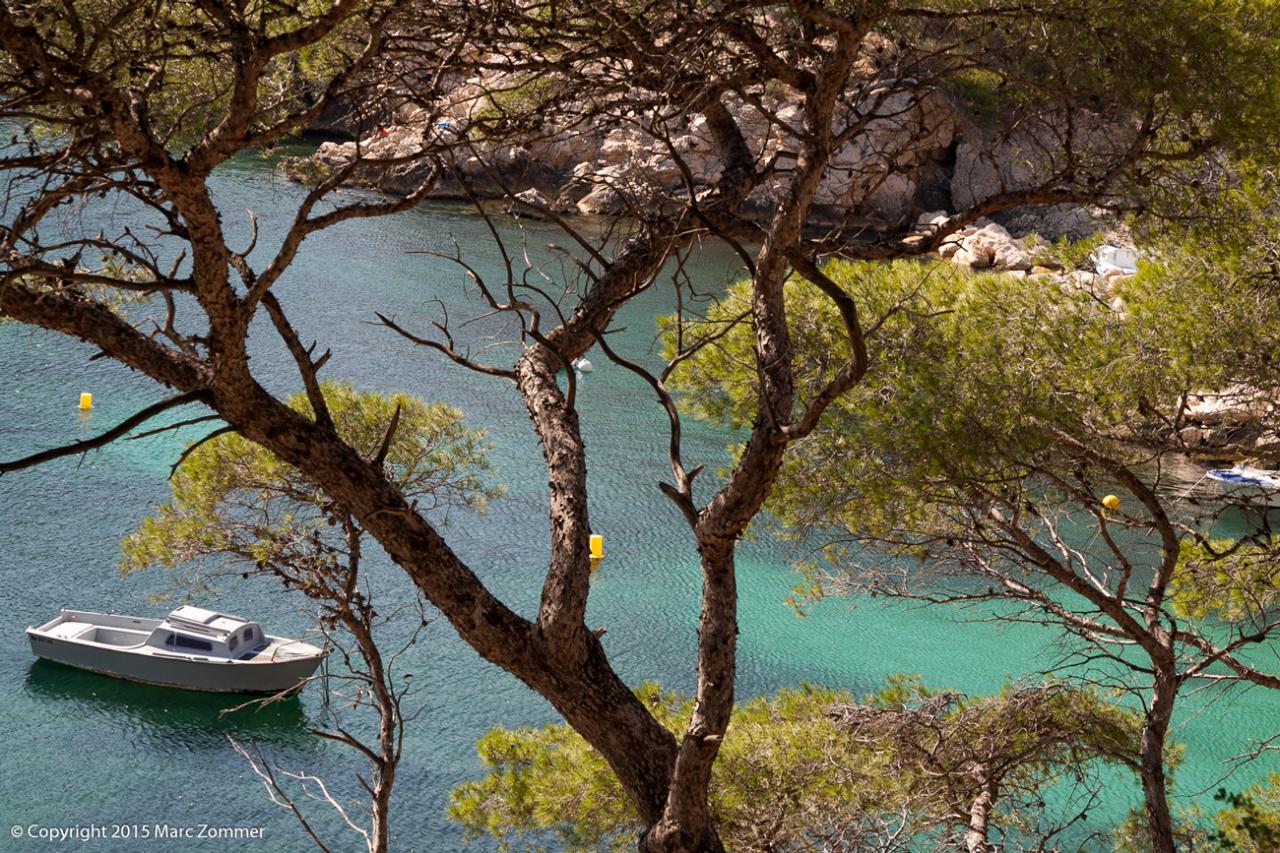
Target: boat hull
x=183 y=671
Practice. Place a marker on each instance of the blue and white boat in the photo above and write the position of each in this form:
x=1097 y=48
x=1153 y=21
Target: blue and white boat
x=1243 y=475
x=1245 y=483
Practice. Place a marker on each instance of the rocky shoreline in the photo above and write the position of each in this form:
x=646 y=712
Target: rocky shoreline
x=915 y=151
x=604 y=174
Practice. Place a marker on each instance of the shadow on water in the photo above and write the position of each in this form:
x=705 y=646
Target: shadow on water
x=162 y=714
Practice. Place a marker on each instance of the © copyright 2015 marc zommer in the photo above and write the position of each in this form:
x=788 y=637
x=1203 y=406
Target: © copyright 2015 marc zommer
x=134 y=832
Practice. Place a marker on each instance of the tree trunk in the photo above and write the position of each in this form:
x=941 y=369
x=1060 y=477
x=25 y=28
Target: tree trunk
x=601 y=708
x=686 y=823
x=1155 y=730
x=384 y=760
x=975 y=837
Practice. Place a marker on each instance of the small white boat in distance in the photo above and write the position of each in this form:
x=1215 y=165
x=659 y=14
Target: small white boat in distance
x=1245 y=484
x=1243 y=475
x=192 y=648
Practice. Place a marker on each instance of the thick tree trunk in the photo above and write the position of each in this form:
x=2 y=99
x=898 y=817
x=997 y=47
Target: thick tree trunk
x=975 y=837
x=1155 y=731
x=601 y=708
x=686 y=823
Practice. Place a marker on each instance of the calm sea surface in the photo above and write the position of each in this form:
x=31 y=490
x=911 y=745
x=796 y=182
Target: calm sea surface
x=83 y=750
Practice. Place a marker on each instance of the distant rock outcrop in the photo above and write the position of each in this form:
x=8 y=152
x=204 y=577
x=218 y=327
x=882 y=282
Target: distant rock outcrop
x=879 y=174
x=1231 y=424
x=914 y=151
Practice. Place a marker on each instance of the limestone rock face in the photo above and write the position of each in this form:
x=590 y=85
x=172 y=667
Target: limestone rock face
x=1029 y=155
x=1061 y=220
x=874 y=174
x=912 y=149
x=1231 y=424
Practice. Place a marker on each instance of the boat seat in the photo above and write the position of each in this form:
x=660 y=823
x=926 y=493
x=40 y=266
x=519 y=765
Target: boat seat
x=72 y=630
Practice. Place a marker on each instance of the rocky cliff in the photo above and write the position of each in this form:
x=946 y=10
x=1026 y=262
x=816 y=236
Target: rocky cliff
x=916 y=152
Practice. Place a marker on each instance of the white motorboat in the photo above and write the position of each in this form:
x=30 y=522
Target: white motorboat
x=1243 y=475
x=192 y=648
x=1242 y=483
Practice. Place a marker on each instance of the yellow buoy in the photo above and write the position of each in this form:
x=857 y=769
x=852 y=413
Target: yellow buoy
x=597 y=546
x=1111 y=502
x=86 y=400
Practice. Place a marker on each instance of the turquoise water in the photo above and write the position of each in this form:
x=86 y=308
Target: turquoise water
x=85 y=750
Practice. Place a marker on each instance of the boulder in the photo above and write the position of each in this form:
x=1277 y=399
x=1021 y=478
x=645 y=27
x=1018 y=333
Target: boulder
x=532 y=202
x=931 y=221
x=950 y=249
x=989 y=246
x=1233 y=405
x=602 y=201
x=1009 y=256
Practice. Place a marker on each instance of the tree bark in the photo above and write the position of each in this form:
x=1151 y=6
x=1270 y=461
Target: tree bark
x=686 y=822
x=975 y=837
x=1155 y=732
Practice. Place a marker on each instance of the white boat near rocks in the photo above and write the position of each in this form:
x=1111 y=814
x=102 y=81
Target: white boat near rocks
x=1250 y=478
x=1243 y=484
x=192 y=648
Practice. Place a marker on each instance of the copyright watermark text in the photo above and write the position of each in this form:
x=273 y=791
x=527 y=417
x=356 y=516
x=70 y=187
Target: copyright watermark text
x=135 y=832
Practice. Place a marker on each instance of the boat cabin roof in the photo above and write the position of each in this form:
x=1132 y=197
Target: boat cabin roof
x=207 y=622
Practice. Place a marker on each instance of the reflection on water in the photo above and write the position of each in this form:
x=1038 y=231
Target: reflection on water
x=162 y=715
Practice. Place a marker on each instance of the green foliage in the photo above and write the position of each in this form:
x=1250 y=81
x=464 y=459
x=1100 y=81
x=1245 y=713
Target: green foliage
x=1063 y=252
x=974 y=378
x=549 y=780
x=796 y=769
x=984 y=94
x=177 y=55
x=1133 y=835
x=781 y=766
x=231 y=496
x=1250 y=823
x=901 y=691
x=1226 y=580
x=1038 y=731
x=525 y=94
x=309 y=171
x=519 y=102
x=1201 y=61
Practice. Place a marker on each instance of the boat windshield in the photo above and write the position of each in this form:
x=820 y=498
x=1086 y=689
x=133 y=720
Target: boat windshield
x=181 y=641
